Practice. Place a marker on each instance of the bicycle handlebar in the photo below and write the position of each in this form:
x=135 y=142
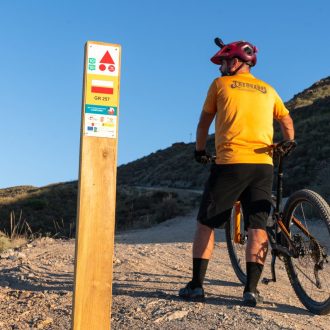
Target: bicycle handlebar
x=284 y=148
x=281 y=149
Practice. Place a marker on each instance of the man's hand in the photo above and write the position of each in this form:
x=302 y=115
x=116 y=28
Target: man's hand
x=202 y=157
x=285 y=147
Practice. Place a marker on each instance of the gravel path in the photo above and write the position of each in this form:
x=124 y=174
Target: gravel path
x=150 y=266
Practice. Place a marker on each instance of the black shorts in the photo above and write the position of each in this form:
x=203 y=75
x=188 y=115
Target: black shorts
x=249 y=183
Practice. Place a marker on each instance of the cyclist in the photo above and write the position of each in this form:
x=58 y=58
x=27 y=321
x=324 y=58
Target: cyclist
x=244 y=108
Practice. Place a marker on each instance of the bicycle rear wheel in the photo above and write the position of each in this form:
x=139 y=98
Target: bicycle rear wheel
x=236 y=250
x=309 y=272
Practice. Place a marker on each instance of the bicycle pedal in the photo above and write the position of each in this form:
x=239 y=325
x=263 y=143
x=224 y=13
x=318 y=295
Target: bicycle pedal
x=266 y=280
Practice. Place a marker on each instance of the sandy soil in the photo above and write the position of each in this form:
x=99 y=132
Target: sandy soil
x=150 y=266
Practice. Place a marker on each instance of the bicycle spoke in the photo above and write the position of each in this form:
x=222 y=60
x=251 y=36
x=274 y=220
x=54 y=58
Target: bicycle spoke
x=306 y=276
x=311 y=251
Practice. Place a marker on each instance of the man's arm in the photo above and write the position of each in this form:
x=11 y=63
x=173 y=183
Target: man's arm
x=287 y=128
x=204 y=124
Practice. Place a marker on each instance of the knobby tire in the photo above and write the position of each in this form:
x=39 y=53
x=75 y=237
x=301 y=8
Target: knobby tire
x=305 y=205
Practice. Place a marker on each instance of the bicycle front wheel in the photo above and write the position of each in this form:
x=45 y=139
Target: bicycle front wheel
x=307 y=217
x=236 y=243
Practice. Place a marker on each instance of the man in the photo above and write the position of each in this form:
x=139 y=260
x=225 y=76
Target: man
x=244 y=108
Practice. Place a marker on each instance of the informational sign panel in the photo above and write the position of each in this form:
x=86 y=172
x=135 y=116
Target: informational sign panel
x=101 y=93
x=97 y=188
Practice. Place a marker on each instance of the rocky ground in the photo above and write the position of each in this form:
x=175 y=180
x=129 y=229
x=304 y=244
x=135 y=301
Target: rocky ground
x=150 y=266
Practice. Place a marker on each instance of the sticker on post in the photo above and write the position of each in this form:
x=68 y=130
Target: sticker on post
x=103 y=60
x=102 y=86
x=100 y=121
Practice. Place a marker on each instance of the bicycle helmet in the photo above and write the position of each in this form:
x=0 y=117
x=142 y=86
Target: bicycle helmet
x=243 y=50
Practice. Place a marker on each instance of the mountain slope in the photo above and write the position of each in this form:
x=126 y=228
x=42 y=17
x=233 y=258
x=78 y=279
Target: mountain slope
x=175 y=166
x=316 y=92
x=52 y=209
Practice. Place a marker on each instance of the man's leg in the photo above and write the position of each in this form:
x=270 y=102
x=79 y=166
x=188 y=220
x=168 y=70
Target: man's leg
x=257 y=206
x=221 y=191
x=202 y=251
x=256 y=252
x=203 y=242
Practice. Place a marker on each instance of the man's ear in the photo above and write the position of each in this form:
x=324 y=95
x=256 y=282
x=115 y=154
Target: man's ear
x=236 y=62
x=233 y=64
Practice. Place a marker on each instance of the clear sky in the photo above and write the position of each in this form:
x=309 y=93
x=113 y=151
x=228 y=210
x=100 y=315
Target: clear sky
x=165 y=73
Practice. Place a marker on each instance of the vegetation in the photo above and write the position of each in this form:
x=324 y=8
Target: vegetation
x=29 y=211
x=47 y=210
x=18 y=233
x=175 y=167
x=312 y=154
x=318 y=91
x=51 y=210
x=5 y=242
x=322 y=182
x=140 y=207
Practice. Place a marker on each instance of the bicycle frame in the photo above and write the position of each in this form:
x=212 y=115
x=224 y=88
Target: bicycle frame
x=279 y=216
x=279 y=231
x=298 y=234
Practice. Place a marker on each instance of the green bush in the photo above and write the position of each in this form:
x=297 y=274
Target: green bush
x=35 y=204
x=140 y=208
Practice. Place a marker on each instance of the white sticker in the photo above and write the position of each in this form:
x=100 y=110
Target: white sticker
x=103 y=60
x=100 y=121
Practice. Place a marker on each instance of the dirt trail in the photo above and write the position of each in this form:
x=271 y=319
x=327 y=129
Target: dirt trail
x=150 y=266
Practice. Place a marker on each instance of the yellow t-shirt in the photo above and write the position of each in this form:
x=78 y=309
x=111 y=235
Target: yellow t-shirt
x=244 y=108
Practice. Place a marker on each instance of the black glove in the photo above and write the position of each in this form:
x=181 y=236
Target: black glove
x=285 y=147
x=202 y=157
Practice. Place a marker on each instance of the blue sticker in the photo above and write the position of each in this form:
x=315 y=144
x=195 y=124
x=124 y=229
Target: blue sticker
x=101 y=110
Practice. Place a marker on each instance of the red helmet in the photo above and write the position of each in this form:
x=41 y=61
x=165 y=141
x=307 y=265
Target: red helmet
x=240 y=49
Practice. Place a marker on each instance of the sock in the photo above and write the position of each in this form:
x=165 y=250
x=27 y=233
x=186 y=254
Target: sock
x=253 y=271
x=199 y=271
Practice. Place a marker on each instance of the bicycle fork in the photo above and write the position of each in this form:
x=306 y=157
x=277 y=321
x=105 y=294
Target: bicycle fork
x=275 y=236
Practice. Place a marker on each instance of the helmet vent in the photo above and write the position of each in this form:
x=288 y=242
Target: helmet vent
x=248 y=50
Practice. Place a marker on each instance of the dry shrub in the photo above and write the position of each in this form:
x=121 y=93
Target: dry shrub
x=141 y=208
x=5 y=242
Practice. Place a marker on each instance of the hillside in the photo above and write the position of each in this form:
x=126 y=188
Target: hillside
x=310 y=110
x=174 y=167
x=316 y=92
x=51 y=210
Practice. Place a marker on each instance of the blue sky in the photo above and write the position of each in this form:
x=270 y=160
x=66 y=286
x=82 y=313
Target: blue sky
x=165 y=74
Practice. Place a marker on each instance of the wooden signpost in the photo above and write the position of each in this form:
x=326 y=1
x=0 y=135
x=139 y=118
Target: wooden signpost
x=97 y=188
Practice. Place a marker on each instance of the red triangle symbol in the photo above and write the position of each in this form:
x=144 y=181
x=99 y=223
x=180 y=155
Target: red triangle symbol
x=107 y=58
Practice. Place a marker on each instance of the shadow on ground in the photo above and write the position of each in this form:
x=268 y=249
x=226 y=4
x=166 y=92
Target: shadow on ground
x=14 y=279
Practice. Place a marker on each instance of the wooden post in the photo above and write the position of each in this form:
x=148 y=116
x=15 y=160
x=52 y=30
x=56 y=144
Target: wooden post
x=97 y=188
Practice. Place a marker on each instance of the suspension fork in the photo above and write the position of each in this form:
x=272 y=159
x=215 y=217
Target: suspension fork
x=237 y=222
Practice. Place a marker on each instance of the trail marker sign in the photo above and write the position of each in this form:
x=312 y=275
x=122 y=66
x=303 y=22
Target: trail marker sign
x=97 y=188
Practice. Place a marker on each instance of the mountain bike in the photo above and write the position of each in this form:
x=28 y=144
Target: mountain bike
x=299 y=236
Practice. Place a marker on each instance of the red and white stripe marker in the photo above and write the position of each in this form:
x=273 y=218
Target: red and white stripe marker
x=102 y=87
